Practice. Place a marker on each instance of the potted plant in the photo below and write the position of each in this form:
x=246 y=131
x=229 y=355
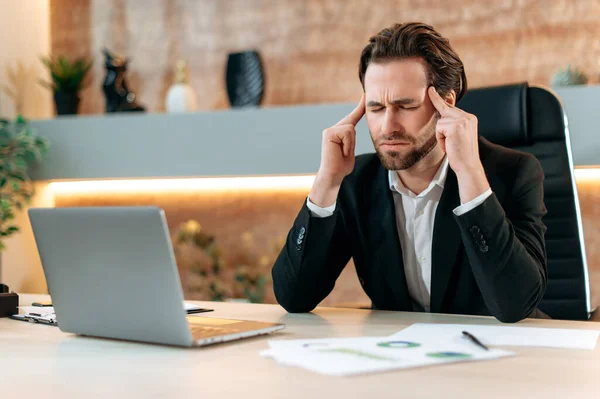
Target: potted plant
x=569 y=76
x=67 y=80
x=19 y=149
x=206 y=275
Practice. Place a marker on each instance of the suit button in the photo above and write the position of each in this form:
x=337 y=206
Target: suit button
x=298 y=247
x=474 y=230
x=483 y=247
x=478 y=236
x=299 y=241
x=302 y=230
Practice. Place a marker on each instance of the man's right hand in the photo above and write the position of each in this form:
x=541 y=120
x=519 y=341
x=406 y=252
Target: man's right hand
x=337 y=157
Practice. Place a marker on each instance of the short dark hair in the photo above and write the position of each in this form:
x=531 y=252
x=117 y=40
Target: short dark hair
x=445 y=70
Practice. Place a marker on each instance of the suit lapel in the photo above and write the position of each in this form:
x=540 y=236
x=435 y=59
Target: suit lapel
x=446 y=242
x=382 y=233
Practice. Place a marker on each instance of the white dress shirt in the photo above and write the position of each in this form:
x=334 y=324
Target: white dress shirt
x=415 y=216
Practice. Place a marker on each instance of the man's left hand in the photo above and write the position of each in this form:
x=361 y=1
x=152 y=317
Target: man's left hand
x=456 y=132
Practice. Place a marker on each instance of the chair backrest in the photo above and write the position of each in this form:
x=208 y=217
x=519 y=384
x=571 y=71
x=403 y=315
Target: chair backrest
x=532 y=119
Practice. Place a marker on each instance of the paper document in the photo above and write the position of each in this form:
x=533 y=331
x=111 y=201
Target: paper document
x=36 y=314
x=190 y=306
x=40 y=310
x=350 y=356
x=505 y=335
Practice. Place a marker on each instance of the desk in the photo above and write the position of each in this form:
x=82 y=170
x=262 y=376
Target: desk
x=41 y=361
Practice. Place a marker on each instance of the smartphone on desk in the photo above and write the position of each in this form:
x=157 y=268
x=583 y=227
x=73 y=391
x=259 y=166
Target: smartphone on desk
x=42 y=304
x=199 y=310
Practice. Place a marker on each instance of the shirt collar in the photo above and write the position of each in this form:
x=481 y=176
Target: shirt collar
x=438 y=180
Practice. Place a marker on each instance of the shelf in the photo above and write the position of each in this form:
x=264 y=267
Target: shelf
x=259 y=141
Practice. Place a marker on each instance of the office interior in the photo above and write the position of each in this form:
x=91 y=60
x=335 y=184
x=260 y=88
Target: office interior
x=232 y=176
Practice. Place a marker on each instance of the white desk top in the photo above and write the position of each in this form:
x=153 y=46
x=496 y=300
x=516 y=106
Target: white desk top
x=41 y=361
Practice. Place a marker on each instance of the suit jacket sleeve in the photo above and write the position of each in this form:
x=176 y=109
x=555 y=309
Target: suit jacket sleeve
x=315 y=253
x=506 y=246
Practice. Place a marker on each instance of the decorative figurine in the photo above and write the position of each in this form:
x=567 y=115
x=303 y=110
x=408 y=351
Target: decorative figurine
x=118 y=96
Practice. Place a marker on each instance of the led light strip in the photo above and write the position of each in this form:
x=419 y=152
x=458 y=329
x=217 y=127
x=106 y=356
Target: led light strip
x=587 y=174
x=276 y=183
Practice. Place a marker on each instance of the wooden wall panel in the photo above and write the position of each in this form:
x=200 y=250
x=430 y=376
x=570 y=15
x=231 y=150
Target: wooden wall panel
x=311 y=47
x=589 y=200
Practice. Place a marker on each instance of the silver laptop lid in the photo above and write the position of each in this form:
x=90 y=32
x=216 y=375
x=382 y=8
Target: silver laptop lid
x=111 y=272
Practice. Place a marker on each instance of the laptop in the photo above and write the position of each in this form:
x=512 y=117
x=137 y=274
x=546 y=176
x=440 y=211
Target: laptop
x=111 y=273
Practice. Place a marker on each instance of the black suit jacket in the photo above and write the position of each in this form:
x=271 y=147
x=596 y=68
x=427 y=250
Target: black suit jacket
x=488 y=261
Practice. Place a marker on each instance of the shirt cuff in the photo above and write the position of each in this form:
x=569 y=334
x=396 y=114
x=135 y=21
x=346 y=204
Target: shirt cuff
x=319 y=212
x=474 y=203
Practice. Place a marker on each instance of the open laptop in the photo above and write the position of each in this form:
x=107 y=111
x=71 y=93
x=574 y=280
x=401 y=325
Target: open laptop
x=111 y=273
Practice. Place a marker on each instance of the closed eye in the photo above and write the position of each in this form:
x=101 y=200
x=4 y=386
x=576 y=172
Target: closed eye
x=402 y=108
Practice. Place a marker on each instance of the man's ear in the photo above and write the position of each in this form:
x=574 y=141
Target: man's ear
x=450 y=98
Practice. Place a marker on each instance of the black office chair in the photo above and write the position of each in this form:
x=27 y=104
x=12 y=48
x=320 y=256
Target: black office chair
x=532 y=119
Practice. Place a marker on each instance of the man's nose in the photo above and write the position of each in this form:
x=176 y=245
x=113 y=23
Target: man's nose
x=391 y=123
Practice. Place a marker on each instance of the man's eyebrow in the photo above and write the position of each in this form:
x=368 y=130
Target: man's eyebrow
x=399 y=101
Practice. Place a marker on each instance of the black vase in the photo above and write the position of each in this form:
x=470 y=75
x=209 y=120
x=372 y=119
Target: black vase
x=245 y=79
x=66 y=103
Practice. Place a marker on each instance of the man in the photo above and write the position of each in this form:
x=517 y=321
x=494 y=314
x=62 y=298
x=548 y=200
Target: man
x=438 y=220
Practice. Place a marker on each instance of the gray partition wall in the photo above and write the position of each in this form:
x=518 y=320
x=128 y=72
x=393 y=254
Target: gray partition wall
x=265 y=141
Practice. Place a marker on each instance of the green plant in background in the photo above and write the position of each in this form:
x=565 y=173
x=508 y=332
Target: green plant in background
x=190 y=233
x=246 y=276
x=19 y=149
x=66 y=76
x=16 y=84
x=569 y=76
x=253 y=270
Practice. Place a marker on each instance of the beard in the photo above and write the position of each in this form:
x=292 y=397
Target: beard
x=394 y=160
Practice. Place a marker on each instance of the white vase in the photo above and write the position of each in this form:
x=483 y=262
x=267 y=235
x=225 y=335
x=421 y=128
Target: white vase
x=181 y=97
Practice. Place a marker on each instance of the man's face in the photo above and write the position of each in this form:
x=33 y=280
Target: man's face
x=400 y=116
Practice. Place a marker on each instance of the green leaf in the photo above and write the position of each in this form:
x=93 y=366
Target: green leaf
x=20 y=163
x=17 y=176
x=47 y=85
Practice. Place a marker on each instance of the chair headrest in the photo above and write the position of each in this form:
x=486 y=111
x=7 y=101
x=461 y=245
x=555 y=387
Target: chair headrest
x=501 y=112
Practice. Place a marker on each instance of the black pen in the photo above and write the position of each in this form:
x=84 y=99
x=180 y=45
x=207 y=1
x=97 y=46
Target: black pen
x=474 y=340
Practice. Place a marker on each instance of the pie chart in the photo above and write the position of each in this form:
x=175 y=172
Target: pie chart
x=449 y=355
x=398 y=344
